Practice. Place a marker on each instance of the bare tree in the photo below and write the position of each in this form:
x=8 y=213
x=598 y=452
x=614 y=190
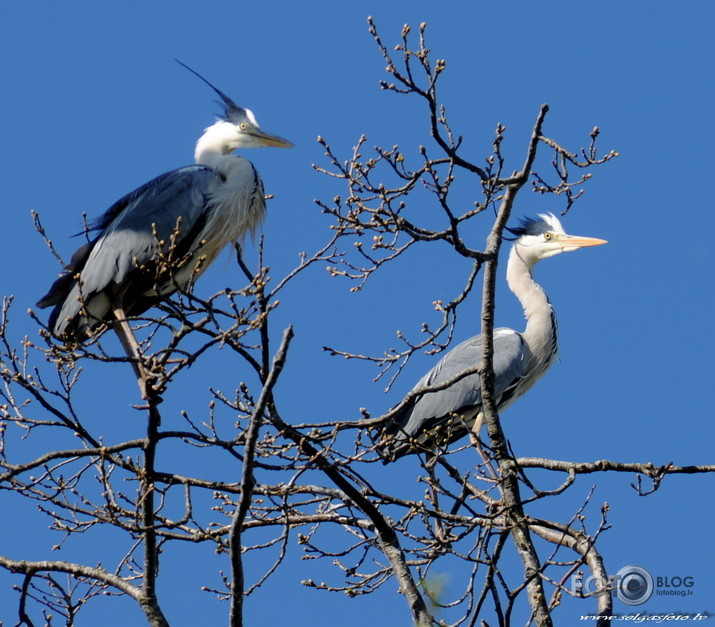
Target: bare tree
x=317 y=482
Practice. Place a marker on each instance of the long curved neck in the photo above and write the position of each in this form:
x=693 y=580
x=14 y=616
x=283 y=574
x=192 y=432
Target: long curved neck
x=541 y=332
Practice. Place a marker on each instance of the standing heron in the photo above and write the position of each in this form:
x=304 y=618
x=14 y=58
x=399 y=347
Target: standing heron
x=162 y=236
x=436 y=419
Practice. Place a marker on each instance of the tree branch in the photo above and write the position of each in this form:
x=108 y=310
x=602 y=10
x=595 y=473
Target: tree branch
x=248 y=481
x=508 y=477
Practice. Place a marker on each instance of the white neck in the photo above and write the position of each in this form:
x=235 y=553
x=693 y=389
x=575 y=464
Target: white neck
x=214 y=144
x=540 y=333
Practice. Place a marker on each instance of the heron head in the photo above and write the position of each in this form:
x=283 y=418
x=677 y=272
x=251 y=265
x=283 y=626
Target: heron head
x=543 y=237
x=237 y=127
x=241 y=130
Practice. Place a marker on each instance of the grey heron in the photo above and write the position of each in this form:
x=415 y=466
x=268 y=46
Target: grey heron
x=438 y=418
x=159 y=238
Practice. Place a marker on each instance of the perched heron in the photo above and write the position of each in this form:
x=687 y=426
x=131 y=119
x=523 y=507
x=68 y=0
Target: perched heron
x=163 y=235
x=436 y=419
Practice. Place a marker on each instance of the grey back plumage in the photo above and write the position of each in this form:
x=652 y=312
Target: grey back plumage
x=120 y=263
x=444 y=416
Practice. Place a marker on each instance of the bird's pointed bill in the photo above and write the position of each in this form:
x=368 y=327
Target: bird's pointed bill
x=574 y=242
x=266 y=139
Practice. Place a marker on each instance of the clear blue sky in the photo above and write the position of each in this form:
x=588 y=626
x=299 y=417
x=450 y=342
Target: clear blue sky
x=94 y=105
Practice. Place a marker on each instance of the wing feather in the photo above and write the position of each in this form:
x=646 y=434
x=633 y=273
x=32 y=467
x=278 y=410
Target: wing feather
x=130 y=230
x=432 y=410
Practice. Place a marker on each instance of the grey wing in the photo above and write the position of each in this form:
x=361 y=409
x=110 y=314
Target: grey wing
x=130 y=239
x=511 y=357
x=130 y=231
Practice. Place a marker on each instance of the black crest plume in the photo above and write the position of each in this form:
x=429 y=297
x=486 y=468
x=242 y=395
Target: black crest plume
x=232 y=110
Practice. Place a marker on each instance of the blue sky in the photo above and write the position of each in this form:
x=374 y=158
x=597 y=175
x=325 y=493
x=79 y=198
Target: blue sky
x=94 y=105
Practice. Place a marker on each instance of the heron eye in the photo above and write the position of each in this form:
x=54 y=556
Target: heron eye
x=244 y=126
x=547 y=236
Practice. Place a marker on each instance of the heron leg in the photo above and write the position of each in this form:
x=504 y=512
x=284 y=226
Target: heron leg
x=478 y=424
x=439 y=530
x=131 y=347
x=476 y=428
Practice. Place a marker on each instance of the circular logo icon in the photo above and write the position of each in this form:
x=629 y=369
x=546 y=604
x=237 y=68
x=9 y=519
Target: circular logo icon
x=634 y=585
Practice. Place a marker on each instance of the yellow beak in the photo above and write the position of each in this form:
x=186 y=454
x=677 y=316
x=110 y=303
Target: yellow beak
x=574 y=242
x=266 y=139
